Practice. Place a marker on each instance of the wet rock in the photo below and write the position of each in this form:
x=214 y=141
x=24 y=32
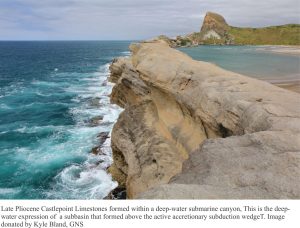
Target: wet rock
x=95 y=102
x=97 y=150
x=95 y=121
x=104 y=83
x=102 y=137
x=117 y=193
x=99 y=162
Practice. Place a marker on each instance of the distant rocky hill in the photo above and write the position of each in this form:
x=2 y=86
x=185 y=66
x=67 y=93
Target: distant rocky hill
x=214 y=26
x=215 y=30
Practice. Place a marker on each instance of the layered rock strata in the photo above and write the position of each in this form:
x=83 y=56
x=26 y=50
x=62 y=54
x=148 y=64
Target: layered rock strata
x=190 y=130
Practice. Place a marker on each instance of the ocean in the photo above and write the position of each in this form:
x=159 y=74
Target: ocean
x=253 y=61
x=52 y=96
x=54 y=103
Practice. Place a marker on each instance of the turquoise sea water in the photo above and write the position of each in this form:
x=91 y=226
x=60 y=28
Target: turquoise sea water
x=49 y=92
x=249 y=60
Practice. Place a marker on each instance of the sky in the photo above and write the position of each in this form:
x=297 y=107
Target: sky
x=132 y=19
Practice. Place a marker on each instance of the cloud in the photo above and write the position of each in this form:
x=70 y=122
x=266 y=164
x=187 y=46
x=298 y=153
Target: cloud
x=132 y=19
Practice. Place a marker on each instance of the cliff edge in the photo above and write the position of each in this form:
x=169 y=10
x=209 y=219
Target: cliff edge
x=191 y=130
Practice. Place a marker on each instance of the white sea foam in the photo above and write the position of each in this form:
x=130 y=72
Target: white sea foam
x=93 y=88
x=9 y=90
x=79 y=113
x=36 y=129
x=4 y=107
x=104 y=68
x=90 y=79
x=9 y=191
x=43 y=104
x=89 y=180
x=65 y=148
x=84 y=181
x=81 y=182
x=112 y=114
x=43 y=94
x=126 y=53
x=44 y=83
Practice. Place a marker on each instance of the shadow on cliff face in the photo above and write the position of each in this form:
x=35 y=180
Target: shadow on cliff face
x=157 y=130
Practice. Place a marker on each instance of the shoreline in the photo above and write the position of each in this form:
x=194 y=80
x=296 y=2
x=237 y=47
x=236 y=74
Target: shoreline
x=286 y=81
x=280 y=49
x=291 y=86
x=293 y=50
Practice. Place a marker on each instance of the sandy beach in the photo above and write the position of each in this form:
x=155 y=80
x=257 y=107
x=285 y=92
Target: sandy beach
x=281 y=49
x=292 y=86
x=292 y=83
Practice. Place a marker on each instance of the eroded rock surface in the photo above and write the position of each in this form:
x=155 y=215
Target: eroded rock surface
x=214 y=25
x=193 y=130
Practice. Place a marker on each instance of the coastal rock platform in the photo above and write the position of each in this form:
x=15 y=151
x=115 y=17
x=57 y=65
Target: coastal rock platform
x=192 y=130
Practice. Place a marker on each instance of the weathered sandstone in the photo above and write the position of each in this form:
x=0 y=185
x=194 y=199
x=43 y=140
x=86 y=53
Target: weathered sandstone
x=193 y=130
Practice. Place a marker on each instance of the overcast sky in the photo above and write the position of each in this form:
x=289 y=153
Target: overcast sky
x=132 y=19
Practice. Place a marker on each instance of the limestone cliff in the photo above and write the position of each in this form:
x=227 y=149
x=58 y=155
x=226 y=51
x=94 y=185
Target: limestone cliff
x=214 y=25
x=193 y=130
x=215 y=30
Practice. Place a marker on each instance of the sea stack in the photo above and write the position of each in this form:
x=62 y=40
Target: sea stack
x=191 y=130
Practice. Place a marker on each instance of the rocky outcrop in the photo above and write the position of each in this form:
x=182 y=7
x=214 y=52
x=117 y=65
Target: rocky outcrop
x=193 y=130
x=214 y=26
x=216 y=31
x=179 y=41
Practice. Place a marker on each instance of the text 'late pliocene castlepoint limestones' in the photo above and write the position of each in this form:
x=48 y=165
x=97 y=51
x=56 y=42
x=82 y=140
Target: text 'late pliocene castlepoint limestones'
x=79 y=216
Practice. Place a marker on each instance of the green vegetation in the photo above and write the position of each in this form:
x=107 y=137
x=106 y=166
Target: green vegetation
x=216 y=31
x=184 y=41
x=273 y=35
